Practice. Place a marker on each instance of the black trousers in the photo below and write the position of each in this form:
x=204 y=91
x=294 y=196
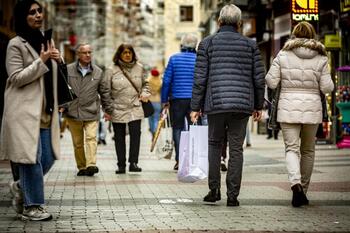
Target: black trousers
x=234 y=124
x=120 y=145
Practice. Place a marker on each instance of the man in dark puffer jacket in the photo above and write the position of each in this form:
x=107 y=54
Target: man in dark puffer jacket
x=229 y=86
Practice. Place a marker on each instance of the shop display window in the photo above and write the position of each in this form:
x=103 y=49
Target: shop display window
x=343 y=104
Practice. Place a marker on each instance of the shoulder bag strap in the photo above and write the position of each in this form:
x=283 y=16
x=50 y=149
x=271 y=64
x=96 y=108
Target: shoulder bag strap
x=129 y=78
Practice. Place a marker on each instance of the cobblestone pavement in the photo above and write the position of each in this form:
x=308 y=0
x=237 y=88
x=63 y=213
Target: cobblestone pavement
x=154 y=201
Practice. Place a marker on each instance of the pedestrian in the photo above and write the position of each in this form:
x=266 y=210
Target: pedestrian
x=30 y=125
x=301 y=68
x=229 y=87
x=177 y=88
x=101 y=130
x=122 y=76
x=155 y=86
x=83 y=113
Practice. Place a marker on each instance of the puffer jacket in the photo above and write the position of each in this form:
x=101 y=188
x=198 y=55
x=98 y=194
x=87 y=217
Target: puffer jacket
x=88 y=89
x=229 y=74
x=178 y=76
x=124 y=98
x=302 y=69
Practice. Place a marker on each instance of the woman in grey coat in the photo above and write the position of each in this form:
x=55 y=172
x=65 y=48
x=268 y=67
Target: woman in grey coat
x=302 y=69
x=30 y=125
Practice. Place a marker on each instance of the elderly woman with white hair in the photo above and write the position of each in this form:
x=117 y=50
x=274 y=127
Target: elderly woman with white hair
x=177 y=87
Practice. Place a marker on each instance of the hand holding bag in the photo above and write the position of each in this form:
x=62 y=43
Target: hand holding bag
x=147 y=107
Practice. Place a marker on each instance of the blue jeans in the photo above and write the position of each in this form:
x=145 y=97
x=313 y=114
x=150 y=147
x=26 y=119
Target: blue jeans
x=180 y=110
x=153 y=120
x=32 y=175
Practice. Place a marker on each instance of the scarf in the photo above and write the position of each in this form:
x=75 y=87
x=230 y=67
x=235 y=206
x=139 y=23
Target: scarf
x=35 y=38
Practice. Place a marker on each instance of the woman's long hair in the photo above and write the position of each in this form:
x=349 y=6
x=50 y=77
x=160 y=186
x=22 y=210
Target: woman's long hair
x=120 y=50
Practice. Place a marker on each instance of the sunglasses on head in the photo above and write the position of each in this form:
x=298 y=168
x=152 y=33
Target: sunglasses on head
x=34 y=11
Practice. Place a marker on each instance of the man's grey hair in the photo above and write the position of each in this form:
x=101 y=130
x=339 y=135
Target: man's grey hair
x=189 y=40
x=82 y=43
x=230 y=15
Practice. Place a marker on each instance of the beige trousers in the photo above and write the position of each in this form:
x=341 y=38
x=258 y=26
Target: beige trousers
x=299 y=141
x=85 y=153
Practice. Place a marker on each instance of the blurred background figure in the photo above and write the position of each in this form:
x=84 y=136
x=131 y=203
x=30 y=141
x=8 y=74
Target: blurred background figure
x=177 y=87
x=155 y=86
x=101 y=130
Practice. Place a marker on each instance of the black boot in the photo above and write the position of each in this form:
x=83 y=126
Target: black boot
x=121 y=170
x=134 y=168
x=232 y=202
x=298 y=195
x=213 y=196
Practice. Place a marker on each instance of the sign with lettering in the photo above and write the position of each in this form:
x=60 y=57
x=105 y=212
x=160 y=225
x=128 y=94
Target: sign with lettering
x=305 y=10
x=344 y=5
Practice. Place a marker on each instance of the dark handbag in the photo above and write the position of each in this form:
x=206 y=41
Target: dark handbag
x=65 y=92
x=324 y=108
x=147 y=107
x=272 y=123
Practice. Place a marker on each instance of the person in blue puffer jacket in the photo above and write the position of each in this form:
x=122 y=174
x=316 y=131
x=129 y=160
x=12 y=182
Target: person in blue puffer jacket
x=177 y=87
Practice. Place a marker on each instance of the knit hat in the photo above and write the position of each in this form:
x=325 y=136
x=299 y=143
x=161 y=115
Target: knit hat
x=154 y=72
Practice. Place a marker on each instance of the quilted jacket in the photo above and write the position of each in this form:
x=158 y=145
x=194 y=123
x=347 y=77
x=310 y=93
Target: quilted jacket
x=229 y=74
x=302 y=68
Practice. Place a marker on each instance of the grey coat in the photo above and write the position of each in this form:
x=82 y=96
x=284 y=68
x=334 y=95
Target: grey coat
x=88 y=89
x=229 y=74
x=24 y=96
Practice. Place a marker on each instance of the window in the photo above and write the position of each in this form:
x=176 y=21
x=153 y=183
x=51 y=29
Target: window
x=186 y=13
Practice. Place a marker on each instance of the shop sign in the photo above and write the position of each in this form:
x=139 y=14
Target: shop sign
x=305 y=10
x=345 y=5
x=332 y=41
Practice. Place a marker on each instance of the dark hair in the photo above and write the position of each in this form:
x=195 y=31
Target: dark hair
x=120 y=50
x=20 y=15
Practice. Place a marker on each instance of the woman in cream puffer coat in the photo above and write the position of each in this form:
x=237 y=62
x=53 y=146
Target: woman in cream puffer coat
x=302 y=69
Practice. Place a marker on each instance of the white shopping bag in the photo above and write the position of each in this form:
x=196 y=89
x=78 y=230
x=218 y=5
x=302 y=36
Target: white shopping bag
x=193 y=154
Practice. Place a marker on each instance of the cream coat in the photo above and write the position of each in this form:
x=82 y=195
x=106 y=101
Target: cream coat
x=303 y=73
x=23 y=104
x=124 y=98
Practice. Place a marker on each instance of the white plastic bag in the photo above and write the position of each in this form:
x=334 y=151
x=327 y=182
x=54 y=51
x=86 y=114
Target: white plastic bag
x=193 y=154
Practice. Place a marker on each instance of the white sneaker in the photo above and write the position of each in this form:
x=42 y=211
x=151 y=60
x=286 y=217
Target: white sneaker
x=36 y=213
x=17 y=200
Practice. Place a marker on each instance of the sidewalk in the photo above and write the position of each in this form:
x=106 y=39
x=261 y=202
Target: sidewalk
x=154 y=201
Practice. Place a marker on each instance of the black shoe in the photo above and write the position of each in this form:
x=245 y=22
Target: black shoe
x=90 y=171
x=232 y=202
x=213 y=196
x=176 y=166
x=81 y=172
x=121 y=170
x=99 y=142
x=269 y=137
x=249 y=145
x=134 y=168
x=298 y=196
x=103 y=142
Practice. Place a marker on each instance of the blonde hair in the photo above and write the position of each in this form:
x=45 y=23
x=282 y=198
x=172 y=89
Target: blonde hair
x=304 y=30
